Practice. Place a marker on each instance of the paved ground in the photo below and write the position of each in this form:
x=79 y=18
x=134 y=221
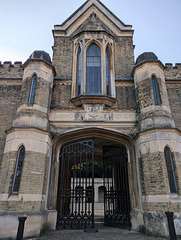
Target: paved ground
x=102 y=234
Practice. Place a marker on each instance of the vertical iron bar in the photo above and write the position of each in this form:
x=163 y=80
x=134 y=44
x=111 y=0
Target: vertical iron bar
x=79 y=187
x=73 y=185
x=118 y=202
x=92 y=186
x=89 y=160
x=82 y=189
x=77 y=158
x=70 y=211
x=86 y=188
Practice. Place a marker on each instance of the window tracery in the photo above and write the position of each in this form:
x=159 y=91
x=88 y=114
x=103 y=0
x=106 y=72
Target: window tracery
x=93 y=72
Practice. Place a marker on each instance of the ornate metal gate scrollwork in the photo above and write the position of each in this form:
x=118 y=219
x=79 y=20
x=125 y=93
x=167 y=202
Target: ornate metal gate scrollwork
x=116 y=196
x=75 y=202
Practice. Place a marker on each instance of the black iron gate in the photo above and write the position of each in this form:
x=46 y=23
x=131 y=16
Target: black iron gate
x=116 y=196
x=75 y=202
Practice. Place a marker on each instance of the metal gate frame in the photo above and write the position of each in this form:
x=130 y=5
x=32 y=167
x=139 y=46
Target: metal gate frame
x=116 y=196
x=75 y=201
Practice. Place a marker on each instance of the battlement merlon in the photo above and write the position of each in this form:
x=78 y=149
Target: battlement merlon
x=172 y=72
x=11 y=70
x=171 y=66
x=8 y=64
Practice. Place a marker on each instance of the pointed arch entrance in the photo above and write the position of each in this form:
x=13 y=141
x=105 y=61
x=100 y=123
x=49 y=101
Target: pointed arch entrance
x=81 y=162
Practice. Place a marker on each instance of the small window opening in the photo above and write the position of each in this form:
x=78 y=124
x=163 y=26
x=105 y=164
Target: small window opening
x=156 y=91
x=170 y=170
x=18 y=170
x=32 y=91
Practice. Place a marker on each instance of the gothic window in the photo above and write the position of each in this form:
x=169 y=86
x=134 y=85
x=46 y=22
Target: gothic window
x=170 y=170
x=156 y=91
x=18 y=170
x=79 y=72
x=93 y=70
x=107 y=71
x=32 y=91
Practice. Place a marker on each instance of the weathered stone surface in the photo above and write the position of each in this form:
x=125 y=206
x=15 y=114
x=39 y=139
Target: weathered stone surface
x=156 y=224
x=174 y=94
x=125 y=96
x=61 y=94
x=162 y=207
x=172 y=72
x=33 y=225
x=103 y=233
x=153 y=174
x=93 y=23
x=10 y=99
x=34 y=170
x=124 y=58
x=9 y=70
x=150 y=113
x=63 y=56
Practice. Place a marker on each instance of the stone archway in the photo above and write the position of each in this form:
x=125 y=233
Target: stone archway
x=101 y=137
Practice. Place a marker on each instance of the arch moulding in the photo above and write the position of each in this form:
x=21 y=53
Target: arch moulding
x=93 y=133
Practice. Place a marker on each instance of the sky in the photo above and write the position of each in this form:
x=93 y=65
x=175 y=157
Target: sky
x=26 y=25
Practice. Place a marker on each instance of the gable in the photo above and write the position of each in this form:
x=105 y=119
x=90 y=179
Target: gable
x=93 y=24
x=84 y=13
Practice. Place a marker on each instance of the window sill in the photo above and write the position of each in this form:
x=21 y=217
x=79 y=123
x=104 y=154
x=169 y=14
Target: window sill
x=82 y=99
x=13 y=197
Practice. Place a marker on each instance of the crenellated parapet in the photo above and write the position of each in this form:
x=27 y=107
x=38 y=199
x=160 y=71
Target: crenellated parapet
x=172 y=72
x=173 y=83
x=11 y=70
x=10 y=64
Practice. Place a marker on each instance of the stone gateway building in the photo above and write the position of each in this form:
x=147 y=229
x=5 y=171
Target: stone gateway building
x=92 y=126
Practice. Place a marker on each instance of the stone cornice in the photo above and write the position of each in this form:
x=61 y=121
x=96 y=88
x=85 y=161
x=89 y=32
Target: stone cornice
x=147 y=61
x=153 y=130
x=28 y=61
x=107 y=100
x=12 y=129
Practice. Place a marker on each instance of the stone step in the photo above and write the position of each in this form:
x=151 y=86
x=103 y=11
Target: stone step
x=99 y=221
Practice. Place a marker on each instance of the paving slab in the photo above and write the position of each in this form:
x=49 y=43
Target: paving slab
x=102 y=234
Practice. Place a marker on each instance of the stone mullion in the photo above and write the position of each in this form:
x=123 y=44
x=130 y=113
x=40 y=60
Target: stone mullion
x=83 y=67
x=103 y=68
x=112 y=71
